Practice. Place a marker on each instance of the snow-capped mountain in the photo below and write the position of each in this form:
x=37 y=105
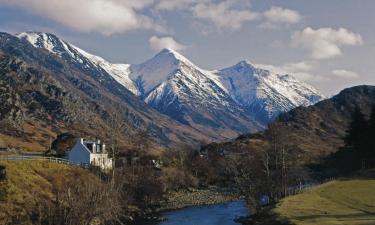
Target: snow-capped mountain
x=263 y=93
x=221 y=103
x=175 y=86
x=85 y=60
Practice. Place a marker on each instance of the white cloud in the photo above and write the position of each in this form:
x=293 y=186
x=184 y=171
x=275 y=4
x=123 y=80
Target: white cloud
x=345 y=74
x=225 y=14
x=300 y=66
x=103 y=16
x=325 y=43
x=303 y=70
x=158 y=43
x=277 y=16
x=174 y=4
x=118 y=16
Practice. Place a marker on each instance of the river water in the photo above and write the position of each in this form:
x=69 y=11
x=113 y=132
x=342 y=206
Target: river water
x=220 y=214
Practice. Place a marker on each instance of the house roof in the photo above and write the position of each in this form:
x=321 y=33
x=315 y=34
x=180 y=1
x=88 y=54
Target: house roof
x=98 y=149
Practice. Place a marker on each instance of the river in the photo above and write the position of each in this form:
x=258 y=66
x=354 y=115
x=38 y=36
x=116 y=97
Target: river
x=220 y=214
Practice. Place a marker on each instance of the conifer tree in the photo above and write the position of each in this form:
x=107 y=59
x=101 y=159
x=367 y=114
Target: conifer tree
x=370 y=151
x=356 y=138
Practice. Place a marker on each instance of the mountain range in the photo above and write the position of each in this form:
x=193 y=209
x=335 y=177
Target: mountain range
x=219 y=104
x=43 y=95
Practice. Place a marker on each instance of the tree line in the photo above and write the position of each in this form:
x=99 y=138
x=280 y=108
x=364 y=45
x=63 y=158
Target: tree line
x=359 y=149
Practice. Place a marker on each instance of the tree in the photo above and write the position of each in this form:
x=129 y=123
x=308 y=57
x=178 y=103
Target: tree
x=278 y=159
x=142 y=141
x=370 y=150
x=267 y=170
x=117 y=126
x=356 y=139
x=87 y=200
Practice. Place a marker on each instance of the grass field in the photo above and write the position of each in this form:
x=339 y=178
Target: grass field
x=343 y=202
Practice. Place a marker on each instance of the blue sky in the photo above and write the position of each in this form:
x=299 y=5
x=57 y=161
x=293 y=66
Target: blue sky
x=329 y=44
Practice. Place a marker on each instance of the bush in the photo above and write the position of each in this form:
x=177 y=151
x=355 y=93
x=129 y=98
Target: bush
x=175 y=179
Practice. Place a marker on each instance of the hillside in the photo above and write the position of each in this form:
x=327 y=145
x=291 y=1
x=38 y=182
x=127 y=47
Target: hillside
x=337 y=202
x=30 y=183
x=43 y=96
x=316 y=131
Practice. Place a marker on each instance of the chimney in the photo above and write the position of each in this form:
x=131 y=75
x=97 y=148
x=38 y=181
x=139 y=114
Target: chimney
x=81 y=140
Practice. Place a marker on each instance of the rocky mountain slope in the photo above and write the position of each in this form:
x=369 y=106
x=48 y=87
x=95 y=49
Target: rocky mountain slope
x=222 y=103
x=43 y=95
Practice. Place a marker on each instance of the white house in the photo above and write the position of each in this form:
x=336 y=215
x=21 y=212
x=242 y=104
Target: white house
x=90 y=152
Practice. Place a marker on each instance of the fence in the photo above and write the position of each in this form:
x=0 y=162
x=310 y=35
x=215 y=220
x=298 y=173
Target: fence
x=42 y=158
x=302 y=187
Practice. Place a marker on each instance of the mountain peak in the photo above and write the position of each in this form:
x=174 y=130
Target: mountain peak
x=47 y=41
x=243 y=67
x=172 y=55
x=35 y=36
x=156 y=70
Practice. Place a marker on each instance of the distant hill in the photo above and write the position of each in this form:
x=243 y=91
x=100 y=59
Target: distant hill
x=316 y=130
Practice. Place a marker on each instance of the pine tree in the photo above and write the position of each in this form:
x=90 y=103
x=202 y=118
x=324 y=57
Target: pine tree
x=357 y=138
x=370 y=151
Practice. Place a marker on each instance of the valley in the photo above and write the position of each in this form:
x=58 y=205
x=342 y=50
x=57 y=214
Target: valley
x=174 y=136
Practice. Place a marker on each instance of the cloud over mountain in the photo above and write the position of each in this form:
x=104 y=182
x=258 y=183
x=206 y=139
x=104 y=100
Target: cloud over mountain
x=277 y=16
x=158 y=43
x=226 y=14
x=117 y=16
x=103 y=16
x=324 y=43
x=345 y=74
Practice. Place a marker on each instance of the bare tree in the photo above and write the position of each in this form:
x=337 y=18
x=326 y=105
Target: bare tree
x=141 y=142
x=117 y=126
x=281 y=156
x=86 y=201
x=268 y=170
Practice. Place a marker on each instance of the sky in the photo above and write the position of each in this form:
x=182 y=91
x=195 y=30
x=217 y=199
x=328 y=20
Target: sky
x=329 y=44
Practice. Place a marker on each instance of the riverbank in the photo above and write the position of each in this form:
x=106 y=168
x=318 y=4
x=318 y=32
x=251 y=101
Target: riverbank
x=191 y=197
x=336 y=202
x=196 y=197
x=223 y=213
x=343 y=201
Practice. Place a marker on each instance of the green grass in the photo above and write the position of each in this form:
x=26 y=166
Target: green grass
x=337 y=202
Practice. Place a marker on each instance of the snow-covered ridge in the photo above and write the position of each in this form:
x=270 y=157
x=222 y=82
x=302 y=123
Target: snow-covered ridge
x=172 y=84
x=53 y=44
